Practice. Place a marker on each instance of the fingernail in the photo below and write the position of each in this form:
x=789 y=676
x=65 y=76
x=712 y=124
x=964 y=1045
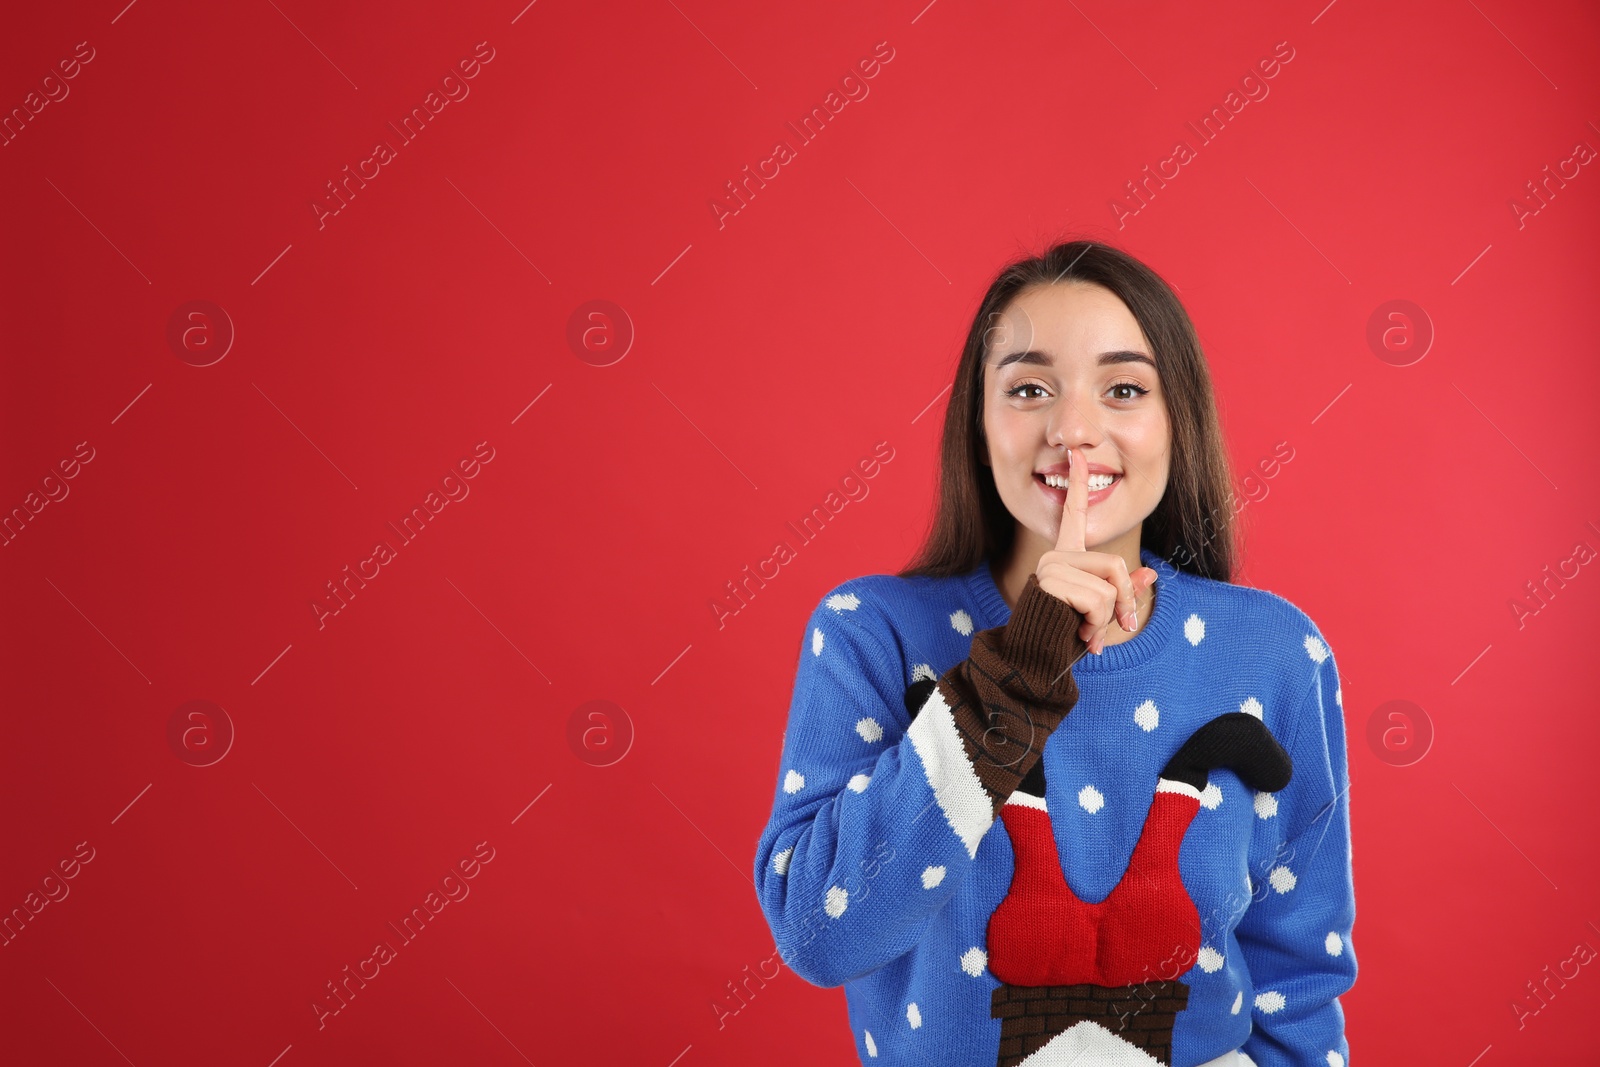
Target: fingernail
x=1133 y=623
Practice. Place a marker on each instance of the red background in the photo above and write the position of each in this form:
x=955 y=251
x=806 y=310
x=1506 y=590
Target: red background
x=372 y=354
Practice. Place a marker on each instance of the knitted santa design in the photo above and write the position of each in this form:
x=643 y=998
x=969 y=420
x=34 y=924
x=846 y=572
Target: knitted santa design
x=1081 y=982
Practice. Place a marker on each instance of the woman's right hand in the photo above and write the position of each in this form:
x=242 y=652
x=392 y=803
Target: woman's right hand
x=1096 y=584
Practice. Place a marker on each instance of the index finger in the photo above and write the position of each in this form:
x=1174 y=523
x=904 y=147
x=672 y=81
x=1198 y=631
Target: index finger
x=1075 y=512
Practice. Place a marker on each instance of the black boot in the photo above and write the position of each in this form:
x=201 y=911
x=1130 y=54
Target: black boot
x=1239 y=742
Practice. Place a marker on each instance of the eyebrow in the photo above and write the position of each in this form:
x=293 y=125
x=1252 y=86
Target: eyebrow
x=1034 y=356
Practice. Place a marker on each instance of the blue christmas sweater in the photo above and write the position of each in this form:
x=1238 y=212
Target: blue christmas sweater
x=1170 y=876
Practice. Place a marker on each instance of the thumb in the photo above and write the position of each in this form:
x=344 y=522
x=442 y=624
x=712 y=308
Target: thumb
x=1143 y=579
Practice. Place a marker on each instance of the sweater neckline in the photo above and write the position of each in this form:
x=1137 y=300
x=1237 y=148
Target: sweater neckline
x=1159 y=630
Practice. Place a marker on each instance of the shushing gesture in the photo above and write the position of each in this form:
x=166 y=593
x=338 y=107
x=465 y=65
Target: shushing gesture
x=1097 y=584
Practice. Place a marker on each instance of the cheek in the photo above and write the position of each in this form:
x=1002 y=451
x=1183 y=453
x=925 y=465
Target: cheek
x=1146 y=442
x=1144 y=438
x=1011 y=440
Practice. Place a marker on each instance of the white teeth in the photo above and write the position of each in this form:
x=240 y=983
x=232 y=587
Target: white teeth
x=1096 y=481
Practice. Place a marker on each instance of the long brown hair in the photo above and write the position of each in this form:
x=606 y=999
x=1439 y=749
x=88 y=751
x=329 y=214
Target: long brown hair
x=1192 y=527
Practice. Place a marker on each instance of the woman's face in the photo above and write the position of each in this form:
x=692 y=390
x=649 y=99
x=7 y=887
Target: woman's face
x=1069 y=368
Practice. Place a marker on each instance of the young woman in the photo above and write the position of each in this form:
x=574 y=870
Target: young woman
x=1068 y=656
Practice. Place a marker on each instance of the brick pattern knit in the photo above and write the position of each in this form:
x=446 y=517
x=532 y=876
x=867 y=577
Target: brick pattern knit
x=1171 y=880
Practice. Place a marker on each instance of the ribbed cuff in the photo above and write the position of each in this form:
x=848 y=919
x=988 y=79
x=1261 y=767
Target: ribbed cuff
x=1041 y=639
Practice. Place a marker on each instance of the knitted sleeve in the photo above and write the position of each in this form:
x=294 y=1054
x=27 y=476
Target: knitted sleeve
x=1295 y=934
x=878 y=813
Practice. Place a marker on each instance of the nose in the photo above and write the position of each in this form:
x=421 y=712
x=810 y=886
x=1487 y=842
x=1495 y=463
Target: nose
x=1071 y=425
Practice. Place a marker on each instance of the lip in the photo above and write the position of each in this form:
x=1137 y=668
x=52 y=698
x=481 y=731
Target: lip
x=1058 y=497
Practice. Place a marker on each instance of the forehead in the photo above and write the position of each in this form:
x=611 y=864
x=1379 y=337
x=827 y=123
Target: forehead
x=1072 y=321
